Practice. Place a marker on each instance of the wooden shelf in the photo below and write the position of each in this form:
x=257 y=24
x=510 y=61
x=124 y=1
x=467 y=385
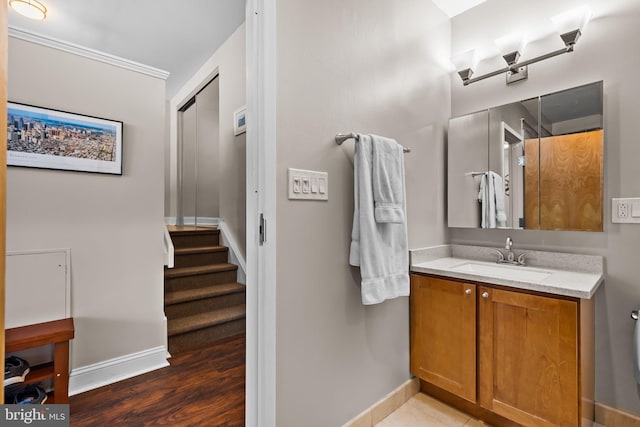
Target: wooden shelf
x=56 y=333
x=38 y=335
x=40 y=373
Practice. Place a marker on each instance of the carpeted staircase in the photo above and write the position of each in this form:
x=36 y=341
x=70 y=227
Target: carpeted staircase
x=202 y=300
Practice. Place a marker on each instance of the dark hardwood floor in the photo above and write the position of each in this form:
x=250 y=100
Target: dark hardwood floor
x=203 y=387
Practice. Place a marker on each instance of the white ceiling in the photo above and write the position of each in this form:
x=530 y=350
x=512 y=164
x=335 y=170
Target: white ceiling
x=175 y=36
x=456 y=7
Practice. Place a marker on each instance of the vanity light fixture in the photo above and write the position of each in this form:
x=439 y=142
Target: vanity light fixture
x=570 y=25
x=511 y=47
x=30 y=8
x=465 y=62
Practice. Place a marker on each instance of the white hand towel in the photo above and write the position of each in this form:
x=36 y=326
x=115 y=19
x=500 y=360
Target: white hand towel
x=491 y=198
x=388 y=173
x=498 y=194
x=379 y=249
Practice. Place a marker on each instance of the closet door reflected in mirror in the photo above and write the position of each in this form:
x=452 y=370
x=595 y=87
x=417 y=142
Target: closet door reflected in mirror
x=533 y=164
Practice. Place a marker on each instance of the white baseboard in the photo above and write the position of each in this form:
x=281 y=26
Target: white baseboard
x=191 y=220
x=235 y=257
x=120 y=368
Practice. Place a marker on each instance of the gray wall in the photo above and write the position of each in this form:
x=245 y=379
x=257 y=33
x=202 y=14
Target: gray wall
x=598 y=56
x=113 y=224
x=233 y=149
x=346 y=66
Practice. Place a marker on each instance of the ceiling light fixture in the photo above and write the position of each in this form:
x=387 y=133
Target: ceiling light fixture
x=570 y=25
x=30 y=8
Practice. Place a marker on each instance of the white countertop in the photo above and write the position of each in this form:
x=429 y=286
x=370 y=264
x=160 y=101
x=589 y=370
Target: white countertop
x=578 y=284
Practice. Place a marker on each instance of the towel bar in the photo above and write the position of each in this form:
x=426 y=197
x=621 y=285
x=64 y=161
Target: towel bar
x=342 y=137
x=635 y=315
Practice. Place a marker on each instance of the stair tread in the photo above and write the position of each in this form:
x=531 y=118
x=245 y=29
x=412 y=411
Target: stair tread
x=203 y=269
x=191 y=231
x=199 y=249
x=194 y=294
x=204 y=320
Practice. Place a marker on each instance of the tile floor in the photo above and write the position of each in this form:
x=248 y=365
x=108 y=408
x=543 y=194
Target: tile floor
x=422 y=410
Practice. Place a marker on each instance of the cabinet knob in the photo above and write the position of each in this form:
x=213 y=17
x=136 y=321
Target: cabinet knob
x=468 y=291
x=485 y=295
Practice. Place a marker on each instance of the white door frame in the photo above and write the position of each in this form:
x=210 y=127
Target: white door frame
x=261 y=185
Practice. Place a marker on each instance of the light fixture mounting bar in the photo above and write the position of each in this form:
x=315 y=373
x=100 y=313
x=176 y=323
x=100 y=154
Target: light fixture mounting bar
x=515 y=67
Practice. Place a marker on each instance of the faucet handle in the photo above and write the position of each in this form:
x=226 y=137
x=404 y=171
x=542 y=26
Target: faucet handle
x=521 y=259
x=500 y=255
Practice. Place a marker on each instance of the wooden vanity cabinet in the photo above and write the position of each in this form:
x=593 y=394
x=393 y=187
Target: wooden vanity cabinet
x=534 y=354
x=443 y=334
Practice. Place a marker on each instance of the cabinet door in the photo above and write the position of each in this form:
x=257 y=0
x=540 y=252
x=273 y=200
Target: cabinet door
x=528 y=357
x=443 y=334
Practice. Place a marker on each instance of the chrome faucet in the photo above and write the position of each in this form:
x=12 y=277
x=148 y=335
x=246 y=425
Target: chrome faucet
x=511 y=257
x=507 y=246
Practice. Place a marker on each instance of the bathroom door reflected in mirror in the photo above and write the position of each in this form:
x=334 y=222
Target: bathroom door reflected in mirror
x=533 y=164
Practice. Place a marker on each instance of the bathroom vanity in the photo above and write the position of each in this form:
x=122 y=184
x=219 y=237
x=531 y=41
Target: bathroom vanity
x=511 y=345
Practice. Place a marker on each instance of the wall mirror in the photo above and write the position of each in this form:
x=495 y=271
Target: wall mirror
x=536 y=164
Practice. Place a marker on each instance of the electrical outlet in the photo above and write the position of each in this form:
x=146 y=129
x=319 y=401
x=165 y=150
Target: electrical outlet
x=623 y=210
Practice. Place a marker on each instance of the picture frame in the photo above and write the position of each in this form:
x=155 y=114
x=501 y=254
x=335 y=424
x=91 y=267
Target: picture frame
x=240 y=121
x=45 y=138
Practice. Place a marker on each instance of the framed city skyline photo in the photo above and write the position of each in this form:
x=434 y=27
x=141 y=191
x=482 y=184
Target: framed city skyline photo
x=51 y=139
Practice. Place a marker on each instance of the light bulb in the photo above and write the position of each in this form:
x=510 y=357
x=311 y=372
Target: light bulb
x=32 y=9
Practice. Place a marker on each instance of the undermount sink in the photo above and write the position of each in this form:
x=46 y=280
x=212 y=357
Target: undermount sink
x=503 y=271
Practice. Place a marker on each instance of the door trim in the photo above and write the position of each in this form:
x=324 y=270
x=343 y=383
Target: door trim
x=261 y=189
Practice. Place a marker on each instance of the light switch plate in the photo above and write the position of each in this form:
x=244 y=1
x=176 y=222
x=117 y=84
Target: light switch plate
x=625 y=211
x=307 y=185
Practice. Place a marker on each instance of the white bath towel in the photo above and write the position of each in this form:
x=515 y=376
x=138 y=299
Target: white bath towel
x=388 y=175
x=379 y=249
x=491 y=197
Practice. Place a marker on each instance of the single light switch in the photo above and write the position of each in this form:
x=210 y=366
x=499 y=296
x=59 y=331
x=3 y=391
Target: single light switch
x=322 y=186
x=314 y=185
x=296 y=184
x=305 y=185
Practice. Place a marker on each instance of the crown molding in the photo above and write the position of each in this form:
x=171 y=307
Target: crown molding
x=86 y=52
